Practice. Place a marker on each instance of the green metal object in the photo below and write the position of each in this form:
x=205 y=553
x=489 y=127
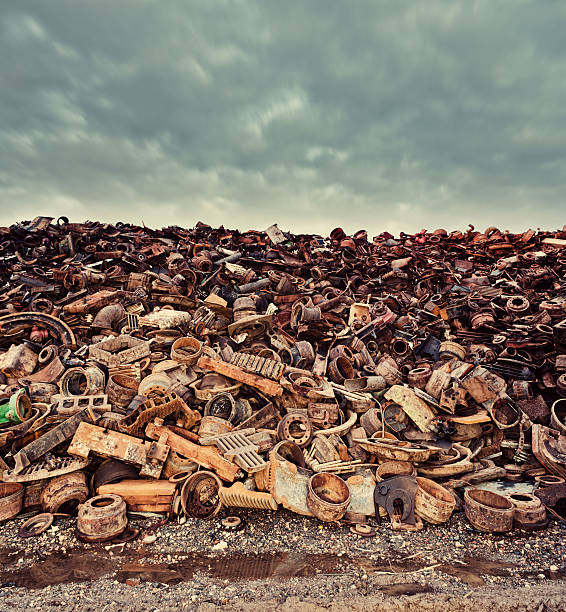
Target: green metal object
x=15 y=409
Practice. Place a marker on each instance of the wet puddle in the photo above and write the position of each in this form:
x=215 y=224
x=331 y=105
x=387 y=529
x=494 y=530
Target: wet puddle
x=58 y=569
x=238 y=567
x=84 y=566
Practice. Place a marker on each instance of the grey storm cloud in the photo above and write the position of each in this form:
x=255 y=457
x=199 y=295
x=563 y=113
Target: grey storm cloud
x=383 y=115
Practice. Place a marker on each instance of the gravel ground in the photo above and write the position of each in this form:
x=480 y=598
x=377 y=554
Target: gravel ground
x=286 y=562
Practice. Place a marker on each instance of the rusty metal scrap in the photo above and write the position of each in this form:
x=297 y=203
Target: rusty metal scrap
x=49 y=467
x=205 y=456
x=269 y=368
x=142 y=495
x=11 y=499
x=234 y=372
x=48 y=441
x=300 y=357
x=157 y=407
x=119 y=351
x=150 y=456
x=101 y=518
x=237 y=495
x=236 y=446
x=64 y=493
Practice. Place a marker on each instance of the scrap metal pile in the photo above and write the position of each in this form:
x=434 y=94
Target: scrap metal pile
x=189 y=371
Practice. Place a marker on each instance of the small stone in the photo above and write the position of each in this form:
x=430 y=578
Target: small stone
x=149 y=539
x=133 y=581
x=220 y=546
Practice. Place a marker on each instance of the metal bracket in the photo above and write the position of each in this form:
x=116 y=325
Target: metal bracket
x=392 y=491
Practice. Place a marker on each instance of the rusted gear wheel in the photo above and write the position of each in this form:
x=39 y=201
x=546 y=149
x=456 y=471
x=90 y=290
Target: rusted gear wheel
x=295 y=427
x=199 y=495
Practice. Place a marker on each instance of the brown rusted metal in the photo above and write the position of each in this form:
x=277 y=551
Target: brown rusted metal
x=101 y=518
x=149 y=456
x=430 y=340
x=200 y=495
x=238 y=496
x=157 y=407
x=186 y=350
x=488 y=511
x=65 y=431
x=11 y=499
x=530 y=513
x=328 y=497
x=121 y=389
x=110 y=471
x=205 y=456
x=36 y=525
x=295 y=427
x=64 y=493
x=82 y=381
x=142 y=495
x=433 y=502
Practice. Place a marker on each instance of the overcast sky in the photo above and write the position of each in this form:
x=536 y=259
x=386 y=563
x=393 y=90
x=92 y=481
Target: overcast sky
x=394 y=116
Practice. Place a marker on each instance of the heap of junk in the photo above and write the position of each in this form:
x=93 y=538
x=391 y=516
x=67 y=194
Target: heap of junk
x=192 y=372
